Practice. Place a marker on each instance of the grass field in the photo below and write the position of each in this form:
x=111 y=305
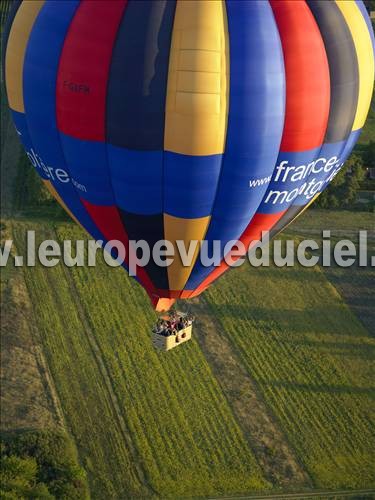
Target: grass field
x=150 y=424
x=82 y=392
x=339 y=222
x=314 y=362
x=146 y=422
x=356 y=286
x=25 y=400
x=183 y=434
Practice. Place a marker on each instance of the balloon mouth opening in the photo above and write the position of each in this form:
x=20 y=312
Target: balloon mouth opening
x=162 y=304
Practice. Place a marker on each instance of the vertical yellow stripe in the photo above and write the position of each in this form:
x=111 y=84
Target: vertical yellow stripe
x=198 y=79
x=186 y=230
x=362 y=42
x=16 y=49
x=196 y=106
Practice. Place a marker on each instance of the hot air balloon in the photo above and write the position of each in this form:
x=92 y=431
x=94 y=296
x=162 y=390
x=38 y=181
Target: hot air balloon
x=190 y=120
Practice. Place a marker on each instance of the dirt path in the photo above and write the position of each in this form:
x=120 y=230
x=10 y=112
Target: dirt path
x=28 y=395
x=267 y=441
x=357 y=494
x=99 y=358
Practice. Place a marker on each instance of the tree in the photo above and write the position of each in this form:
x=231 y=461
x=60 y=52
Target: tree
x=19 y=479
x=369 y=155
x=343 y=188
x=370 y=5
x=40 y=464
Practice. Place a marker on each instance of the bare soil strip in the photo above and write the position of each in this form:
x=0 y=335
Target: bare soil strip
x=267 y=441
x=28 y=396
x=356 y=494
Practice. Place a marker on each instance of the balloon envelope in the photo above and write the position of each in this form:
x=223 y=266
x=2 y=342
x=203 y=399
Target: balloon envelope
x=200 y=120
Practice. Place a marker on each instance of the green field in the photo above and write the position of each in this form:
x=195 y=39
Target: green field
x=313 y=361
x=149 y=423
x=181 y=436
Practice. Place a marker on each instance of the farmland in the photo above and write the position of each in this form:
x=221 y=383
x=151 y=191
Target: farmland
x=150 y=423
x=180 y=429
x=313 y=361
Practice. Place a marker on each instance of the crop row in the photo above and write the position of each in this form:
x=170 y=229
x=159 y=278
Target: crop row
x=89 y=414
x=183 y=433
x=186 y=436
x=313 y=362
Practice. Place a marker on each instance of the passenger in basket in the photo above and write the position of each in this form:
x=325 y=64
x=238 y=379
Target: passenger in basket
x=180 y=324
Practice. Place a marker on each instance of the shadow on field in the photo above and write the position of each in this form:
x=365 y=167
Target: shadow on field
x=292 y=274
x=330 y=389
x=321 y=320
x=352 y=350
x=355 y=285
